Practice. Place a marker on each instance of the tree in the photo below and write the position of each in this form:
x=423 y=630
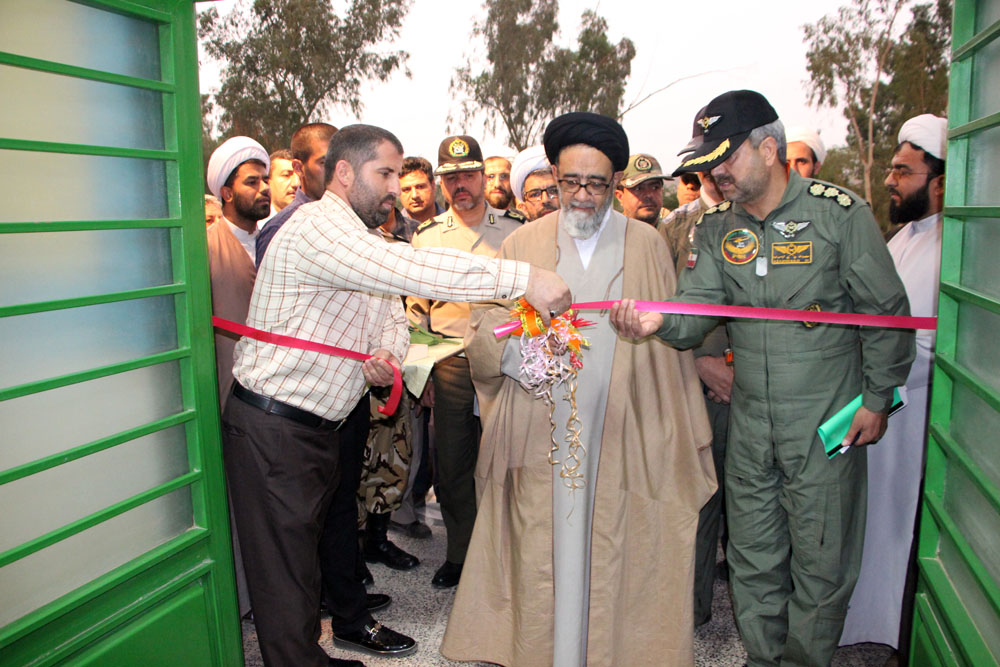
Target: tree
x=914 y=81
x=846 y=61
x=287 y=62
x=527 y=80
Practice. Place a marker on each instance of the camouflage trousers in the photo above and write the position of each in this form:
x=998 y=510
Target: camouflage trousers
x=385 y=466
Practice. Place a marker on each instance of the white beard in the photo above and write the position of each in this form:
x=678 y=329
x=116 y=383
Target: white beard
x=582 y=223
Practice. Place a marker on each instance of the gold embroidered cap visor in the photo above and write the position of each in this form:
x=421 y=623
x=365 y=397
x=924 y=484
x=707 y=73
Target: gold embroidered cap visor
x=726 y=123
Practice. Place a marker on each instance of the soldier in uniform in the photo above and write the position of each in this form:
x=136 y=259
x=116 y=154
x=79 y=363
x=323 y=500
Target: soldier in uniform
x=796 y=517
x=714 y=364
x=472 y=225
x=385 y=465
x=640 y=191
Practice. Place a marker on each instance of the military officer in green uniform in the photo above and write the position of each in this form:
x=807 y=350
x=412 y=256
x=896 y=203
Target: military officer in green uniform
x=796 y=518
x=472 y=225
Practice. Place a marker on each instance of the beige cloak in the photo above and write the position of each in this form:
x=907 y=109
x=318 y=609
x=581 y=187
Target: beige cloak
x=655 y=473
x=232 y=273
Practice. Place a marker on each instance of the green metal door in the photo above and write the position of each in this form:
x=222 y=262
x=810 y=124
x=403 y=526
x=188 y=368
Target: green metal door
x=957 y=620
x=114 y=542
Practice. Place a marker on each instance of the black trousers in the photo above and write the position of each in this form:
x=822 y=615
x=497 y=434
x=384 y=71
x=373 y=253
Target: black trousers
x=345 y=595
x=282 y=477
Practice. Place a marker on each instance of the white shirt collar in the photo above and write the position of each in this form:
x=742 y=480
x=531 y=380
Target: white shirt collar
x=923 y=224
x=247 y=239
x=586 y=247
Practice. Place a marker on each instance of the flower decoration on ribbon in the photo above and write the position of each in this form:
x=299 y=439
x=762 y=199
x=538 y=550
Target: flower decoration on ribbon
x=551 y=357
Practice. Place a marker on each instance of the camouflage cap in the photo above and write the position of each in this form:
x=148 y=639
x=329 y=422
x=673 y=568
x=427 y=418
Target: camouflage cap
x=459 y=153
x=641 y=167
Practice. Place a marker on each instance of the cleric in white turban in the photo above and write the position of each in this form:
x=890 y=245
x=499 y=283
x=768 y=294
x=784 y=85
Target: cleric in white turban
x=928 y=133
x=528 y=161
x=230 y=155
x=805 y=150
x=882 y=603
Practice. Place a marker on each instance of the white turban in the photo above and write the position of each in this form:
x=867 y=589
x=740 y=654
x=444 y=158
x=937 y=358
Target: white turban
x=529 y=160
x=230 y=155
x=928 y=132
x=810 y=138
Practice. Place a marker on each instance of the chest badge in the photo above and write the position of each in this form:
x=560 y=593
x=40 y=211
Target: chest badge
x=740 y=246
x=792 y=252
x=692 y=258
x=789 y=229
x=815 y=308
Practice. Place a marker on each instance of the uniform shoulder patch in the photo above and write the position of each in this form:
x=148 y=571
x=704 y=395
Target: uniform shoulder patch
x=827 y=191
x=515 y=215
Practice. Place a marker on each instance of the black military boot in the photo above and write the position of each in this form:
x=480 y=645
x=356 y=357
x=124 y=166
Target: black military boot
x=378 y=548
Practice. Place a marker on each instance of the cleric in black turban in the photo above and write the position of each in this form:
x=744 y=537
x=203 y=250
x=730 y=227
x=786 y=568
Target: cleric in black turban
x=583 y=127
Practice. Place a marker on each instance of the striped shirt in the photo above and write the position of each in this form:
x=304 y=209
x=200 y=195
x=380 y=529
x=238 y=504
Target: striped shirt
x=327 y=278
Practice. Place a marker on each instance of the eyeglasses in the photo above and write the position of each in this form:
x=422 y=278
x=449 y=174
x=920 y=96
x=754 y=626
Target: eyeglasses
x=501 y=176
x=902 y=172
x=536 y=195
x=572 y=186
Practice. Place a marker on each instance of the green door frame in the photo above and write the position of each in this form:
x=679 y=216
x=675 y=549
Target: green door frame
x=175 y=603
x=957 y=615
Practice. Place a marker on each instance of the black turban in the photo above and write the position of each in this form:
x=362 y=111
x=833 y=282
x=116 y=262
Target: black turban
x=583 y=127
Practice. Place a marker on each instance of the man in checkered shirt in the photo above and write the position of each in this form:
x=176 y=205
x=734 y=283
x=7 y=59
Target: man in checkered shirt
x=328 y=277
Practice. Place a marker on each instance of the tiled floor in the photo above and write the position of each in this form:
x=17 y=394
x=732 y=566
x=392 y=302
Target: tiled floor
x=421 y=611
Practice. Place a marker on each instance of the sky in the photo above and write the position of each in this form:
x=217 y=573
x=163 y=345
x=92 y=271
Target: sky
x=729 y=44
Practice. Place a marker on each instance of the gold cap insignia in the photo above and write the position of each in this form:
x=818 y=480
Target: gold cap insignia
x=458 y=148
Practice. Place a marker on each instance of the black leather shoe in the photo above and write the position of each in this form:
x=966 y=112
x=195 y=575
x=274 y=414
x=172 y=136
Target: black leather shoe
x=376 y=601
x=378 y=548
x=389 y=554
x=377 y=640
x=416 y=530
x=447 y=575
x=338 y=662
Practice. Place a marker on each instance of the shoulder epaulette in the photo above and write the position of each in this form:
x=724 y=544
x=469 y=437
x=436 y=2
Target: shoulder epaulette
x=820 y=189
x=721 y=207
x=515 y=215
x=425 y=224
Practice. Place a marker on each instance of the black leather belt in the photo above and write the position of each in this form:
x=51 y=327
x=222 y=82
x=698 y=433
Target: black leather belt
x=273 y=407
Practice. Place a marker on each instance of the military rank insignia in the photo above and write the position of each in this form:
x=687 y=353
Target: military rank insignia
x=818 y=189
x=789 y=229
x=740 y=246
x=792 y=252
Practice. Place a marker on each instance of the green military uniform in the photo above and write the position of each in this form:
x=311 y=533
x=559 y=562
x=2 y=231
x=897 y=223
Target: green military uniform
x=678 y=231
x=456 y=428
x=796 y=519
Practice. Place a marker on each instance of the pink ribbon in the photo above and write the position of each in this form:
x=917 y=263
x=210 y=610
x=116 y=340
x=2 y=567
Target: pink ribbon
x=298 y=343
x=749 y=312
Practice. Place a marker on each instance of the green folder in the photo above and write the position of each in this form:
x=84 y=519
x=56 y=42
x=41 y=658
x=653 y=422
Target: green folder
x=833 y=430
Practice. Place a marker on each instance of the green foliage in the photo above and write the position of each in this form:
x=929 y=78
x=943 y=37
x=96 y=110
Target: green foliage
x=881 y=80
x=287 y=62
x=527 y=80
